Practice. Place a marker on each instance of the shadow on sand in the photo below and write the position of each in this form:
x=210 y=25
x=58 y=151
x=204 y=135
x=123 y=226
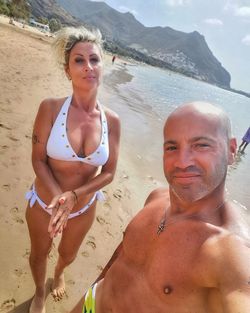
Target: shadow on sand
x=24 y=307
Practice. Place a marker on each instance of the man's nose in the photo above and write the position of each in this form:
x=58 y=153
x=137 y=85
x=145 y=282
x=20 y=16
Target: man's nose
x=184 y=158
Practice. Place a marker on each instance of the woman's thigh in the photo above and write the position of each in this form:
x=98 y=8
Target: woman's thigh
x=38 y=221
x=75 y=231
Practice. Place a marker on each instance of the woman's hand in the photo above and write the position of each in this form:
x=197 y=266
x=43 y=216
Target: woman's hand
x=61 y=206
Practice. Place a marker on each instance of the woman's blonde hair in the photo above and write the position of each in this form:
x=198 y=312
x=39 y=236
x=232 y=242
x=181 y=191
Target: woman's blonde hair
x=67 y=37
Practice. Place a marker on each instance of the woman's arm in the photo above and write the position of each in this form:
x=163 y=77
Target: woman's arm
x=41 y=131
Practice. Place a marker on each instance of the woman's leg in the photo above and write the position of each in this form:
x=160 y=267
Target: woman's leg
x=72 y=238
x=37 y=220
x=246 y=143
x=240 y=146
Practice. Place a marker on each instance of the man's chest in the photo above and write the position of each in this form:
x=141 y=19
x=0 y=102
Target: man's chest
x=171 y=257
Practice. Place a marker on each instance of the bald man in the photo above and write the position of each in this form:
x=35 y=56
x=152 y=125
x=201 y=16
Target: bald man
x=187 y=250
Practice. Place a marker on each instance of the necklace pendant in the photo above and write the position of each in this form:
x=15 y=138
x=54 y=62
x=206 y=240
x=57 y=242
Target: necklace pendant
x=161 y=227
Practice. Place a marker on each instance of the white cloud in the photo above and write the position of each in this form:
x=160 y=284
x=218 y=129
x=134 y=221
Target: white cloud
x=243 y=11
x=213 y=21
x=175 y=3
x=246 y=40
x=237 y=10
x=125 y=9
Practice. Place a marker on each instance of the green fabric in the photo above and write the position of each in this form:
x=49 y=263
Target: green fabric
x=89 y=303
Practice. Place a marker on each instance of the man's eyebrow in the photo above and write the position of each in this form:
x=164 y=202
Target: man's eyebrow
x=194 y=139
x=170 y=142
x=198 y=138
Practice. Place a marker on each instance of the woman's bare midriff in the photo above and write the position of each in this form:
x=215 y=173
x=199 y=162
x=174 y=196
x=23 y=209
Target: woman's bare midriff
x=69 y=176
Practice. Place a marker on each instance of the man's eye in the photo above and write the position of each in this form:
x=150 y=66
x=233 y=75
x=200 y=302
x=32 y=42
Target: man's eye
x=202 y=145
x=170 y=148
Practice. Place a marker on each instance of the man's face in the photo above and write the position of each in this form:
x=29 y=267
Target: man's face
x=196 y=155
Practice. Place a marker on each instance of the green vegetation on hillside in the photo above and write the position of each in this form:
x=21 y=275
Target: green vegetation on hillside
x=18 y=9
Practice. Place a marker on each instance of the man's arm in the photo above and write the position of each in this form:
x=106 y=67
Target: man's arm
x=110 y=262
x=78 y=308
x=234 y=277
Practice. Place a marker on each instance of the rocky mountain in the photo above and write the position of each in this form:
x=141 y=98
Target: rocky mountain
x=51 y=9
x=187 y=53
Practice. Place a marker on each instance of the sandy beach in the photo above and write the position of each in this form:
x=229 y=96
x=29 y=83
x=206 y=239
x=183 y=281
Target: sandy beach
x=28 y=75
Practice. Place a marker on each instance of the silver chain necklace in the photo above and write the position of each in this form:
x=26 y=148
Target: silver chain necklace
x=163 y=223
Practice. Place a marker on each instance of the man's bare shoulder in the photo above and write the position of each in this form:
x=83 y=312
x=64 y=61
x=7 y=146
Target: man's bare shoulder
x=154 y=205
x=225 y=257
x=159 y=194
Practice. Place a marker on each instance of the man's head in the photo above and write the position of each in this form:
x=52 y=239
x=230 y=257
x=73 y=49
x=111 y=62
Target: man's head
x=197 y=150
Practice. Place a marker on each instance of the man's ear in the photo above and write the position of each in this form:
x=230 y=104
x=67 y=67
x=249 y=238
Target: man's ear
x=232 y=150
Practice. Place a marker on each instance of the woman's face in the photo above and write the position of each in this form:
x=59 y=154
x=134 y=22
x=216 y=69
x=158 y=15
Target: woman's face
x=85 y=66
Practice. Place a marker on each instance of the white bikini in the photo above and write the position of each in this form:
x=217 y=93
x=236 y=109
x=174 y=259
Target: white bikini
x=59 y=148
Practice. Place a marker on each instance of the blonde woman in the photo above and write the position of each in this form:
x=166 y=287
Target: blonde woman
x=74 y=154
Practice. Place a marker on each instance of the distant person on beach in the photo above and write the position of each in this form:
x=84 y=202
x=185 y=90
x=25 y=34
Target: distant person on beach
x=74 y=155
x=113 y=59
x=245 y=141
x=188 y=249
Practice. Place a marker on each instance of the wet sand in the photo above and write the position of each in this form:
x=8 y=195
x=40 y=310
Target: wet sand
x=29 y=75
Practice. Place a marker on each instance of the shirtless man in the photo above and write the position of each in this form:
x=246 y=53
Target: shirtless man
x=186 y=251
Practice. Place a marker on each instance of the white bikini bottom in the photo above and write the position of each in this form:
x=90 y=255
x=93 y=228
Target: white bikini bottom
x=32 y=197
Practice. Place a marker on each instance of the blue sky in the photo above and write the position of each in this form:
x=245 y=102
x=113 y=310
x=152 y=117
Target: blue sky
x=224 y=23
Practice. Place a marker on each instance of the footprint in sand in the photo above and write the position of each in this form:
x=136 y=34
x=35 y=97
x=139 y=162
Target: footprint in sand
x=124 y=175
x=8 y=304
x=26 y=254
x=100 y=268
x=107 y=206
x=109 y=233
x=6 y=110
x=105 y=192
x=13 y=138
x=4 y=126
x=85 y=254
x=16 y=218
x=91 y=244
x=101 y=220
x=14 y=210
x=6 y=187
x=151 y=178
x=70 y=282
x=4 y=146
x=118 y=194
x=18 y=272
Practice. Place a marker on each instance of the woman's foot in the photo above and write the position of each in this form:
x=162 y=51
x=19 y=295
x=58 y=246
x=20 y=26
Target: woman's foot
x=37 y=305
x=58 y=288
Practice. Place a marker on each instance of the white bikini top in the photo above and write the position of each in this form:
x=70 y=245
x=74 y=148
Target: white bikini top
x=59 y=147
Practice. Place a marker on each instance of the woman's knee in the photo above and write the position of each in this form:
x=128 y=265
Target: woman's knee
x=66 y=257
x=40 y=254
x=37 y=258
